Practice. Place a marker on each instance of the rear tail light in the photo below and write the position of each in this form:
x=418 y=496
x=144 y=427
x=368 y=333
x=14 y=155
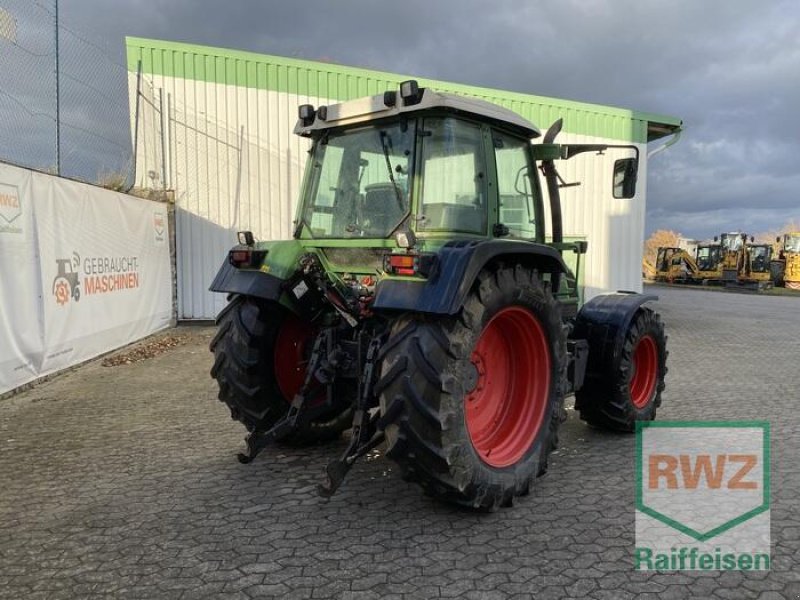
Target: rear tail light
x=409 y=264
x=246 y=257
x=402 y=264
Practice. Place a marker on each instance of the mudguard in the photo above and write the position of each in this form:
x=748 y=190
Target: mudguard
x=604 y=322
x=249 y=282
x=456 y=268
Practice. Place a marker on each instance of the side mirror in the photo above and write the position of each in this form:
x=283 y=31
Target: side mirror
x=778 y=239
x=625 y=174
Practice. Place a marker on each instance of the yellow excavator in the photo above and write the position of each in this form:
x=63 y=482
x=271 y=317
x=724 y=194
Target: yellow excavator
x=708 y=258
x=734 y=256
x=758 y=270
x=731 y=260
x=675 y=265
x=789 y=257
x=745 y=263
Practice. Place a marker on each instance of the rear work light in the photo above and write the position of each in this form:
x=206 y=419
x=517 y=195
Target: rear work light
x=246 y=257
x=409 y=264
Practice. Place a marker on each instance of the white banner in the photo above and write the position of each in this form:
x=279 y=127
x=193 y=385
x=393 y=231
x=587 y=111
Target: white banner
x=83 y=271
x=21 y=332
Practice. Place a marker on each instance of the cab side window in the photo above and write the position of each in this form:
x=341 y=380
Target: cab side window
x=453 y=191
x=516 y=196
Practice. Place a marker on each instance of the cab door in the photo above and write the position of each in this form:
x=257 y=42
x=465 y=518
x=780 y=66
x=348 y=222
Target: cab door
x=519 y=206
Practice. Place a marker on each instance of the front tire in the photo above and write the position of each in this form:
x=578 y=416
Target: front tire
x=617 y=398
x=471 y=404
x=260 y=354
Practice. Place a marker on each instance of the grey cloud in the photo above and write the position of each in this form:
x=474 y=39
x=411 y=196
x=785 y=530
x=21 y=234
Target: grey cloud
x=728 y=68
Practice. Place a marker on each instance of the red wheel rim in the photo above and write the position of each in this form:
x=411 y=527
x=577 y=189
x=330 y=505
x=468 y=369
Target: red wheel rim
x=292 y=348
x=506 y=409
x=645 y=371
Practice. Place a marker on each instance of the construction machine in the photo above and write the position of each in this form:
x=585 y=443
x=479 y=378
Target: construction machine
x=734 y=256
x=708 y=258
x=731 y=261
x=745 y=264
x=758 y=271
x=789 y=257
x=424 y=302
x=675 y=265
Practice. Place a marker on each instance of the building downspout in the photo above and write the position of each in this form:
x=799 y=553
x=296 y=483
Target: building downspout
x=671 y=142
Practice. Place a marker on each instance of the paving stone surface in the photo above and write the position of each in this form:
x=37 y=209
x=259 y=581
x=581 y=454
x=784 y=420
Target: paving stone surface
x=122 y=482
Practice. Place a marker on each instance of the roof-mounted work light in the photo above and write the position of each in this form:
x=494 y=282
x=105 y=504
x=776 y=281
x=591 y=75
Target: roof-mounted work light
x=410 y=92
x=305 y=112
x=390 y=98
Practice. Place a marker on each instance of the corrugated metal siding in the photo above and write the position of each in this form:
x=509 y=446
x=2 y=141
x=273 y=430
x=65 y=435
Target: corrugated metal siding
x=337 y=82
x=234 y=163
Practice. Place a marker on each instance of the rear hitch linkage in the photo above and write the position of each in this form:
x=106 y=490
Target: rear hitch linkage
x=320 y=373
x=366 y=434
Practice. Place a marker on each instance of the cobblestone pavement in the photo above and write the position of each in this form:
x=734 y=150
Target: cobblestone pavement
x=122 y=482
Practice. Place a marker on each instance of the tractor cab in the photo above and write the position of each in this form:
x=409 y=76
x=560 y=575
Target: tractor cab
x=394 y=178
x=426 y=164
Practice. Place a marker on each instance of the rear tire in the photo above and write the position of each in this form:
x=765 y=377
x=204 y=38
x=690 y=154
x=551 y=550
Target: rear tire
x=245 y=368
x=632 y=392
x=471 y=404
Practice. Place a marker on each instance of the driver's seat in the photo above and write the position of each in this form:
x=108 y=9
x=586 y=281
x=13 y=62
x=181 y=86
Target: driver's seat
x=382 y=211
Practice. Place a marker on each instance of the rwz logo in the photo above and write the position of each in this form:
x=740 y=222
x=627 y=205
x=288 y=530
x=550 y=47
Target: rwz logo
x=701 y=468
x=10 y=205
x=66 y=283
x=703 y=495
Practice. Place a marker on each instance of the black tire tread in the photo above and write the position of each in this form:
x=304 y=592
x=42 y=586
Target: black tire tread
x=418 y=365
x=240 y=346
x=605 y=401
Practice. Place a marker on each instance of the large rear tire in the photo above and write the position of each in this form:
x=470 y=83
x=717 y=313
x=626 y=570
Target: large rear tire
x=617 y=398
x=260 y=354
x=471 y=404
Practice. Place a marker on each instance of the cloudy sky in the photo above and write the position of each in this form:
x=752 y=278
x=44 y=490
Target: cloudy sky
x=730 y=69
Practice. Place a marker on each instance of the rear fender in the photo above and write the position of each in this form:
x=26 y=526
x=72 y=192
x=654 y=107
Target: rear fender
x=264 y=280
x=249 y=282
x=455 y=271
x=603 y=322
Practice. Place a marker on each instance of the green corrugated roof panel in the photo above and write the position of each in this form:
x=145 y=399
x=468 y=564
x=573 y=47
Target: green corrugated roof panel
x=337 y=82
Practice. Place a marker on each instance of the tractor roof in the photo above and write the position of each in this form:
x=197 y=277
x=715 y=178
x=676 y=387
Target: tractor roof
x=364 y=110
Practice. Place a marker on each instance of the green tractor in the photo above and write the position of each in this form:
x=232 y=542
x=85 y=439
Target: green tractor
x=420 y=306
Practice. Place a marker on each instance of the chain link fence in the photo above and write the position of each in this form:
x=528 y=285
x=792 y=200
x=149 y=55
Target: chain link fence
x=64 y=99
x=221 y=171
